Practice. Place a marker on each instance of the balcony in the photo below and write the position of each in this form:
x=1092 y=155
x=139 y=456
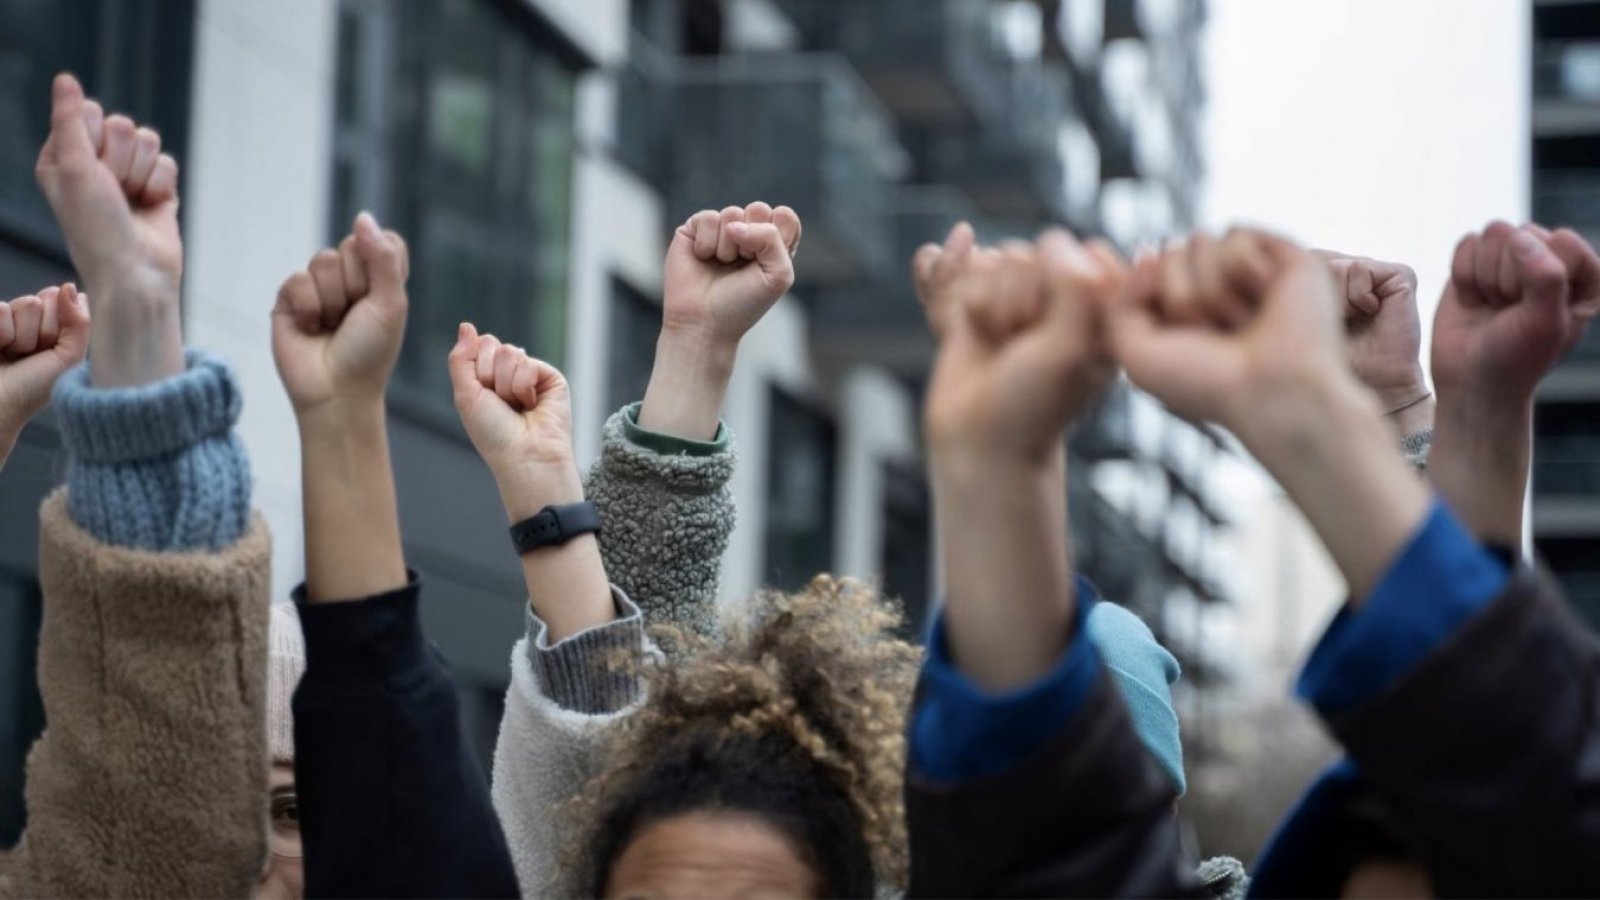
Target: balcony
x=882 y=320
x=931 y=62
x=802 y=130
x=1113 y=131
x=1012 y=167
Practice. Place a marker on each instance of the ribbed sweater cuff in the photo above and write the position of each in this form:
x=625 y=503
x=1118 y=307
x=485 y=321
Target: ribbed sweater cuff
x=157 y=467
x=594 y=671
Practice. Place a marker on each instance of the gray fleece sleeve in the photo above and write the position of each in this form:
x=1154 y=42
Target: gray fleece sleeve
x=666 y=511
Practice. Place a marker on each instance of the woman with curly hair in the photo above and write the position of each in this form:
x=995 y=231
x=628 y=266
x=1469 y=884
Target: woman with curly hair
x=768 y=756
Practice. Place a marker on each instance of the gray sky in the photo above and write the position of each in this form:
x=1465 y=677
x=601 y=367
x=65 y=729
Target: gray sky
x=1382 y=127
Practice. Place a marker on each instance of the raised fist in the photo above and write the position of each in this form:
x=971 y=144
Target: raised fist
x=1383 y=332
x=518 y=412
x=725 y=270
x=1517 y=301
x=41 y=337
x=338 y=325
x=1021 y=352
x=115 y=195
x=1285 y=338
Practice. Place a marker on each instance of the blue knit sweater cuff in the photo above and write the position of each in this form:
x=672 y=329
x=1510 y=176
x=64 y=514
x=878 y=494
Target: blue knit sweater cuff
x=157 y=467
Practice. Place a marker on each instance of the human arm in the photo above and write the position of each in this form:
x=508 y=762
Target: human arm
x=1025 y=774
x=393 y=802
x=1517 y=301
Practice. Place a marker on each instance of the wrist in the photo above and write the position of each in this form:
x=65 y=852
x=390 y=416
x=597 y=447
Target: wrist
x=688 y=384
x=343 y=422
x=137 y=338
x=528 y=487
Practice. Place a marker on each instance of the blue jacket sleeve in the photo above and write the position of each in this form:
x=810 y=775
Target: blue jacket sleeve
x=157 y=467
x=960 y=732
x=393 y=803
x=1443 y=578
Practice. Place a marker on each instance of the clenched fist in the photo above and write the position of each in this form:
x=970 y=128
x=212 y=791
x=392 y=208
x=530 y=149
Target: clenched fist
x=338 y=325
x=115 y=195
x=725 y=270
x=1383 y=331
x=1284 y=338
x=1517 y=301
x=518 y=412
x=1021 y=352
x=41 y=337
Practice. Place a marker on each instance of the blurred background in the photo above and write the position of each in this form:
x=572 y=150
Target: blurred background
x=538 y=153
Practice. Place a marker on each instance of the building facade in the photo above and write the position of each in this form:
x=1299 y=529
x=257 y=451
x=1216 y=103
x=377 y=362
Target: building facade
x=537 y=154
x=1566 y=192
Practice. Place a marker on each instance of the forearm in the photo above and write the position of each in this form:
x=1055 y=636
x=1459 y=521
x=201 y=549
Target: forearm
x=8 y=442
x=1004 y=544
x=1479 y=463
x=1334 y=455
x=566 y=583
x=688 y=384
x=1411 y=418
x=352 y=520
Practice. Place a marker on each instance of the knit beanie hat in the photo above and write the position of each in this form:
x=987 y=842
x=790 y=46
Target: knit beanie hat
x=1145 y=673
x=286 y=662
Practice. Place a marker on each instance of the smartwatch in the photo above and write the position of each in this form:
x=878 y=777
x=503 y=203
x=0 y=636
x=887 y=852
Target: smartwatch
x=555 y=525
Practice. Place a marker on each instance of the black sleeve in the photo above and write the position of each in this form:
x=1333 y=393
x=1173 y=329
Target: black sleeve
x=1091 y=815
x=392 y=800
x=1488 y=754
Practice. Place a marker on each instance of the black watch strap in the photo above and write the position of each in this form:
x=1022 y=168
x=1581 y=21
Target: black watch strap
x=555 y=525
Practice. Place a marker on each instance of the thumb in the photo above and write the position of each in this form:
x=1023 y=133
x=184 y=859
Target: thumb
x=384 y=255
x=772 y=255
x=72 y=311
x=69 y=131
x=463 y=364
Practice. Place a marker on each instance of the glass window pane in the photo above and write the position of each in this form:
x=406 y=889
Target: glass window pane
x=800 y=482
x=474 y=149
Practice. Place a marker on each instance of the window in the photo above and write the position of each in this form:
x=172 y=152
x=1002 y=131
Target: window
x=133 y=55
x=1576 y=563
x=635 y=322
x=21 y=712
x=800 y=467
x=455 y=126
x=1566 y=449
x=907 y=534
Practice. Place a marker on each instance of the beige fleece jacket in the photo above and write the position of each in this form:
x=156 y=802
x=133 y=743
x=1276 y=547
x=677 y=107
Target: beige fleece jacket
x=152 y=670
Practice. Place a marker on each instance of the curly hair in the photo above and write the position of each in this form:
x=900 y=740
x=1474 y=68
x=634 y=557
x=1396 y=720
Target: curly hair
x=796 y=713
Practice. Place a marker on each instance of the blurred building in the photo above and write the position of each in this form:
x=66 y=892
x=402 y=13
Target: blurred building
x=538 y=153
x=1566 y=191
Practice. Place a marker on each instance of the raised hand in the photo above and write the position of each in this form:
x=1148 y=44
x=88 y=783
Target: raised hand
x=1382 y=328
x=41 y=337
x=1517 y=301
x=518 y=413
x=1021 y=352
x=1020 y=356
x=1277 y=375
x=722 y=273
x=725 y=270
x=115 y=195
x=338 y=324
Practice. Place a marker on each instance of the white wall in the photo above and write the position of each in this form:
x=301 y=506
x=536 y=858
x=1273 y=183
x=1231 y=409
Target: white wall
x=255 y=210
x=878 y=423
